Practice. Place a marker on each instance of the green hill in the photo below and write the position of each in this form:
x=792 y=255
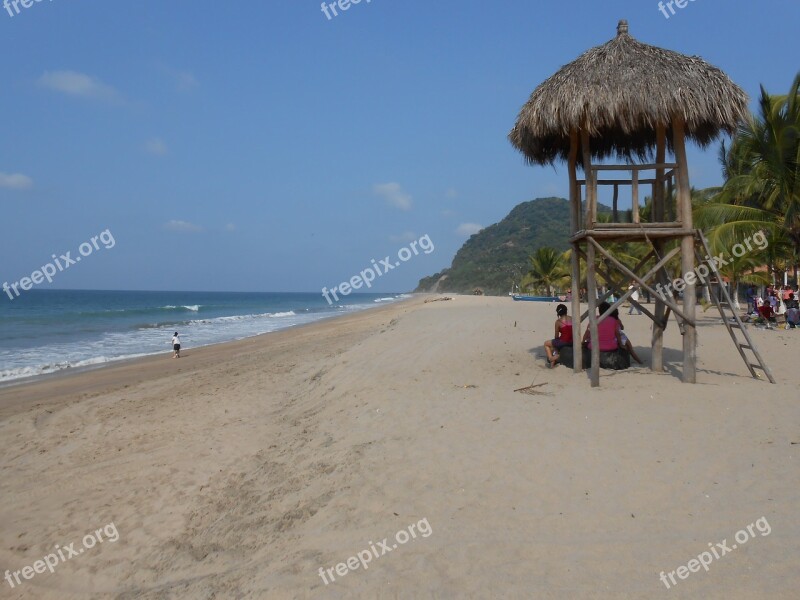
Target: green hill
x=497 y=256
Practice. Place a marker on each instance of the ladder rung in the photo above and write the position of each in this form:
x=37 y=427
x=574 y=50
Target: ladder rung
x=730 y=317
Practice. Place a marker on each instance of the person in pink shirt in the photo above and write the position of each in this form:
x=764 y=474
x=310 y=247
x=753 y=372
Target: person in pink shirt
x=607 y=330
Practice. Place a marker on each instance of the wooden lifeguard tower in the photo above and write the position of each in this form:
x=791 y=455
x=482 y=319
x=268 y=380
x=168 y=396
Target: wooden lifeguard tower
x=632 y=101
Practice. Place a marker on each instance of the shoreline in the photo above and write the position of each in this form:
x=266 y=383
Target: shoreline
x=41 y=377
x=70 y=381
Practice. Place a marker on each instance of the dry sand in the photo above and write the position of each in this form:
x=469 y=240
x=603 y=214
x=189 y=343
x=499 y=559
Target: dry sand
x=241 y=469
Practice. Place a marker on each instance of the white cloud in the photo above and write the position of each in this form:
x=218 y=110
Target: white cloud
x=15 y=181
x=468 y=229
x=230 y=227
x=394 y=195
x=451 y=193
x=448 y=213
x=184 y=80
x=73 y=83
x=406 y=236
x=156 y=146
x=182 y=227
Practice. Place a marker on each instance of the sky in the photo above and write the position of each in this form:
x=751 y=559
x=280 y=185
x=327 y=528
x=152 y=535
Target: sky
x=264 y=146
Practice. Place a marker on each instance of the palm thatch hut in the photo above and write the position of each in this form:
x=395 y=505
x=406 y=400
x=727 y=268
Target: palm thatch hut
x=633 y=102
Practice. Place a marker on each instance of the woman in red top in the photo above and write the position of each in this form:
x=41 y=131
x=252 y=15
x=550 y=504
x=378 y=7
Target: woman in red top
x=607 y=330
x=563 y=332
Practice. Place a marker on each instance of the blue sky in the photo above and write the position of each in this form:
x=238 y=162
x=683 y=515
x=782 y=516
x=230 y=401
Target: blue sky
x=260 y=146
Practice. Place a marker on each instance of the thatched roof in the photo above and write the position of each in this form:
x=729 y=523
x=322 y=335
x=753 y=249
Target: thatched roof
x=619 y=92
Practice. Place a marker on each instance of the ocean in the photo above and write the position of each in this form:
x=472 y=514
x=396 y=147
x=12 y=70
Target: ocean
x=45 y=331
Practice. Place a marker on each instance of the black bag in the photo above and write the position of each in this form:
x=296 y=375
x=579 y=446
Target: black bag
x=616 y=360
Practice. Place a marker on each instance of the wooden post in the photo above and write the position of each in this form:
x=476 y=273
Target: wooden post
x=589 y=176
x=591 y=284
x=614 y=205
x=656 y=215
x=684 y=201
x=635 y=196
x=591 y=280
x=575 y=214
x=678 y=213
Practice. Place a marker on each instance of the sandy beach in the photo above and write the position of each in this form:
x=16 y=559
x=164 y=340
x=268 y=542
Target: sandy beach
x=241 y=470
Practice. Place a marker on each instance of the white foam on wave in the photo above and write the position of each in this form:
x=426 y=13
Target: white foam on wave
x=46 y=369
x=153 y=339
x=233 y=318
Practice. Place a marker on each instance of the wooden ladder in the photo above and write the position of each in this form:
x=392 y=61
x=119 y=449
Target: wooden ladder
x=731 y=314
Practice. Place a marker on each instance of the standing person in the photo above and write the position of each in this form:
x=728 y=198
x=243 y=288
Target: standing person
x=792 y=312
x=563 y=335
x=176 y=346
x=750 y=295
x=635 y=297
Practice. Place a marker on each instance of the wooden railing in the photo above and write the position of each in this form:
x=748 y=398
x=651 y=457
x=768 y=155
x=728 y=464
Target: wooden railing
x=665 y=174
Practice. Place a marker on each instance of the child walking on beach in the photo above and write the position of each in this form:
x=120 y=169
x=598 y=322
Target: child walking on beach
x=176 y=346
x=563 y=335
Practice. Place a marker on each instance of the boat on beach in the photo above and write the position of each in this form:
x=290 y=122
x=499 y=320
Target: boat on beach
x=528 y=298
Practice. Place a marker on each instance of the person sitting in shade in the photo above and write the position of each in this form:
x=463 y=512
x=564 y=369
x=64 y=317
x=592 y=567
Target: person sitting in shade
x=607 y=330
x=563 y=335
x=766 y=313
x=626 y=343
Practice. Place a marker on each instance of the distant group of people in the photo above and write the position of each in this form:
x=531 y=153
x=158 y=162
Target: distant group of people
x=609 y=332
x=775 y=302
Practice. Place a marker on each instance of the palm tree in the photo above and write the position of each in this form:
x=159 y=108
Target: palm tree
x=762 y=171
x=548 y=268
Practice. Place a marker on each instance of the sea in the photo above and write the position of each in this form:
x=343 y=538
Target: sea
x=47 y=331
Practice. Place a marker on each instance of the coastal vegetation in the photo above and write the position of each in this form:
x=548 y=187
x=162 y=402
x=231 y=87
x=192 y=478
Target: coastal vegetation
x=760 y=192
